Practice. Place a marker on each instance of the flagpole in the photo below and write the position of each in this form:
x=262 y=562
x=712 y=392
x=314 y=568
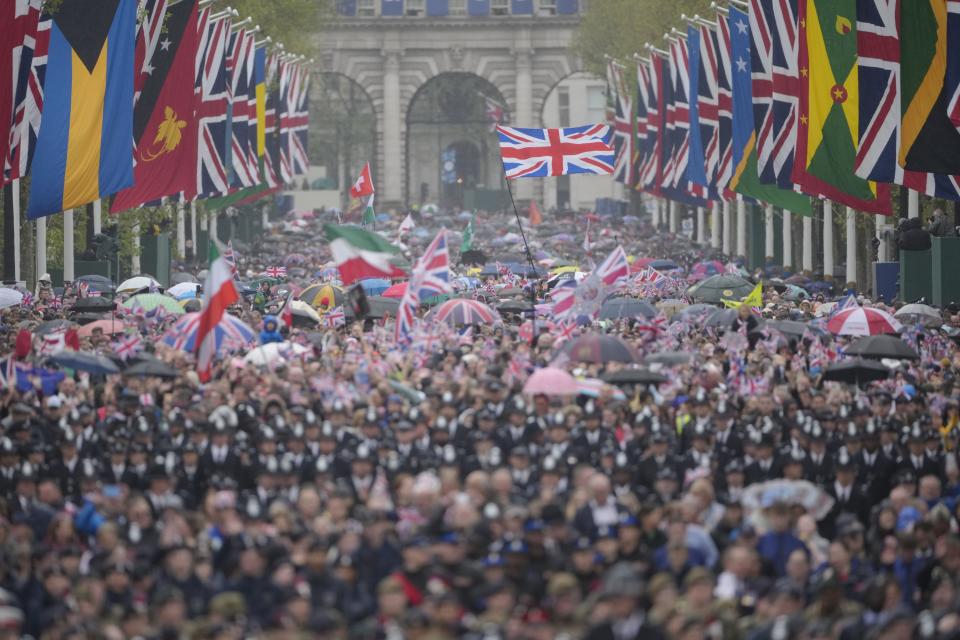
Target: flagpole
x=533 y=291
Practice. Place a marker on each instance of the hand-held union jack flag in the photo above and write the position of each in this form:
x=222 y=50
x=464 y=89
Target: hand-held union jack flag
x=538 y=153
x=430 y=277
x=276 y=272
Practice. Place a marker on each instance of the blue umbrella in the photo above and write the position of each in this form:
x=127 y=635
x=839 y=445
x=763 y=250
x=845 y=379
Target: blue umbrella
x=230 y=330
x=374 y=286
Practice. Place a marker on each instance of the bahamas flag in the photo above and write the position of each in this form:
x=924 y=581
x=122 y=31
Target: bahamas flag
x=85 y=144
x=829 y=100
x=260 y=88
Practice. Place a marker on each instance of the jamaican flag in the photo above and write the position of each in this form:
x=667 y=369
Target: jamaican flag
x=829 y=108
x=929 y=141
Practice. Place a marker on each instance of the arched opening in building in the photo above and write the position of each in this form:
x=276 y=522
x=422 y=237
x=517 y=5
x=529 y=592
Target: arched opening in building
x=452 y=153
x=343 y=131
x=577 y=99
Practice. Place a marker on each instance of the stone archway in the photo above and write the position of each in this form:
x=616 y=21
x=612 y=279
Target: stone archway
x=448 y=123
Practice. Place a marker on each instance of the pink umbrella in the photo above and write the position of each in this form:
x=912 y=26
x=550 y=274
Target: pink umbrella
x=109 y=326
x=863 y=321
x=551 y=381
x=395 y=291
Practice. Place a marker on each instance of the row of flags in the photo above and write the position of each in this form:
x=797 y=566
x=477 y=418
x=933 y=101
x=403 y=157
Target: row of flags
x=144 y=100
x=789 y=99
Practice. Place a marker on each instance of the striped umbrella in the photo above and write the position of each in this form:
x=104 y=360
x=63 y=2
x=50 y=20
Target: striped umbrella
x=863 y=321
x=599 y=348
x=461 y=311
x=231 y=333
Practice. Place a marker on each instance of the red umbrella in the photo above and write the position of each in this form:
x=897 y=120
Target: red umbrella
x=863 y=321
x=640 y=264
x=395 y=291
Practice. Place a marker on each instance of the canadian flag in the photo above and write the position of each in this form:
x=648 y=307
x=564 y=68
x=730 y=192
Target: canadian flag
x=364 y=184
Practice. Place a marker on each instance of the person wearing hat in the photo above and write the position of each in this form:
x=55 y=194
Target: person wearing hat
x=915 y=458
x=656 y=459
x=620 y=593
x=765 y=466
x=591 y=437
x=601 y=510
x=846 y=494
x=220 y=457
x=516 y=430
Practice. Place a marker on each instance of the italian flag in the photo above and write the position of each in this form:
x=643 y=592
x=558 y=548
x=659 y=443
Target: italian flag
x=219 y=294
x=369 y=216
x=361 y=254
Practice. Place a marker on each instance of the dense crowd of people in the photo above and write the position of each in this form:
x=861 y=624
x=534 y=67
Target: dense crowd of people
x=356 y=488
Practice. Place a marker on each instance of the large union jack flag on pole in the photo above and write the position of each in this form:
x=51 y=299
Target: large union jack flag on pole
x=212 y=103
x=620 y=118
x=538 y=153
x=23 y=61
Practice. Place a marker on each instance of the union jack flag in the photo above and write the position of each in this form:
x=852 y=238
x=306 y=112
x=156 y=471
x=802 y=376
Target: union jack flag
x=708 y=107
x=721 y=43
x=614 y=267
x=128 y=346
x=272 y=164
x=334 y=318
x=641 y=152
x=8 y=373
x=276 y=272
x=494 y=111
x=679 y=114
x=620 y=118
x=300 y=123
x=573 y=299
x=773 y=25
x=28 y=39
x=537 y=153
x=212 y=104
x=651 y=79
x=650 y=276
x=288 y=75
x=430 y=277
x=148 y=35
x=953 y=61
x=231 y=259
x=878 y=51
x=240 y=71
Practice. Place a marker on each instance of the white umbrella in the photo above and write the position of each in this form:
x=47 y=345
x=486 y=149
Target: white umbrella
x=275 y=352
x=9 y=297
x=136 y=283
x=919 y=313
x=183 y=290
x=806 y=494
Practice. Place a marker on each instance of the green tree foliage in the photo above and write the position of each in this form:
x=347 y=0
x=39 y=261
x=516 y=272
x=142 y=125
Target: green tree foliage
x=619 y=28
x=292 y=22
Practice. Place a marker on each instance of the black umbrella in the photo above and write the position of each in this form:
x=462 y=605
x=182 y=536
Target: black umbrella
x=623 y=308
x=514 y=306
x=721 y=318
x=882 y=346
x=380 y=307
x=634 y=376
x=95 y=282
x=150 y=369
x=720 y=287
x=83 y=361
x=789 y=328
x=473 y=257
x=182 y=276
x=97 y=304
x=600 y=348
x=856 y=371
x=670 y=358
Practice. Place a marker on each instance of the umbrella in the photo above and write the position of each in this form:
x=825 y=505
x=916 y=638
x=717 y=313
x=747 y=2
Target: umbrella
x=275 y=352
x=295 y=258
x=183 y=290
x=323 y=296
x=719 y=287
x=671 y=307
x=83 y=361
x=599 y=348
x=230 y=332
x=150 y=369
x=107 y=325
x=664 y=265
x=695 y=311
x=917 y=313
x=182 y=276
x=721 y=318
x=856 y=371
x=52 y=326
x=619 y=308
x=863 y=321
x=708 y=267
x=303 y=314
x=95 y=282
x=635 y=376
x=473 y=257
x=9 y=297
x=380 y=307
x=550 y=381
x=812 y=498
x=515 y=306
x=595 y=387
x=374 y=286
x=882 y=346
x=461 y=311
x=795 y=292
x=790 y=328
x=396 y=291
x=191 y=305
x=150 y=301
x=136 y=283
x=670 y=358
x=97 y=304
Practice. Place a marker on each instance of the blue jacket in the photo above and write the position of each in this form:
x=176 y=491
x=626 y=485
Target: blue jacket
x=775 y=548
x=271 y=330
